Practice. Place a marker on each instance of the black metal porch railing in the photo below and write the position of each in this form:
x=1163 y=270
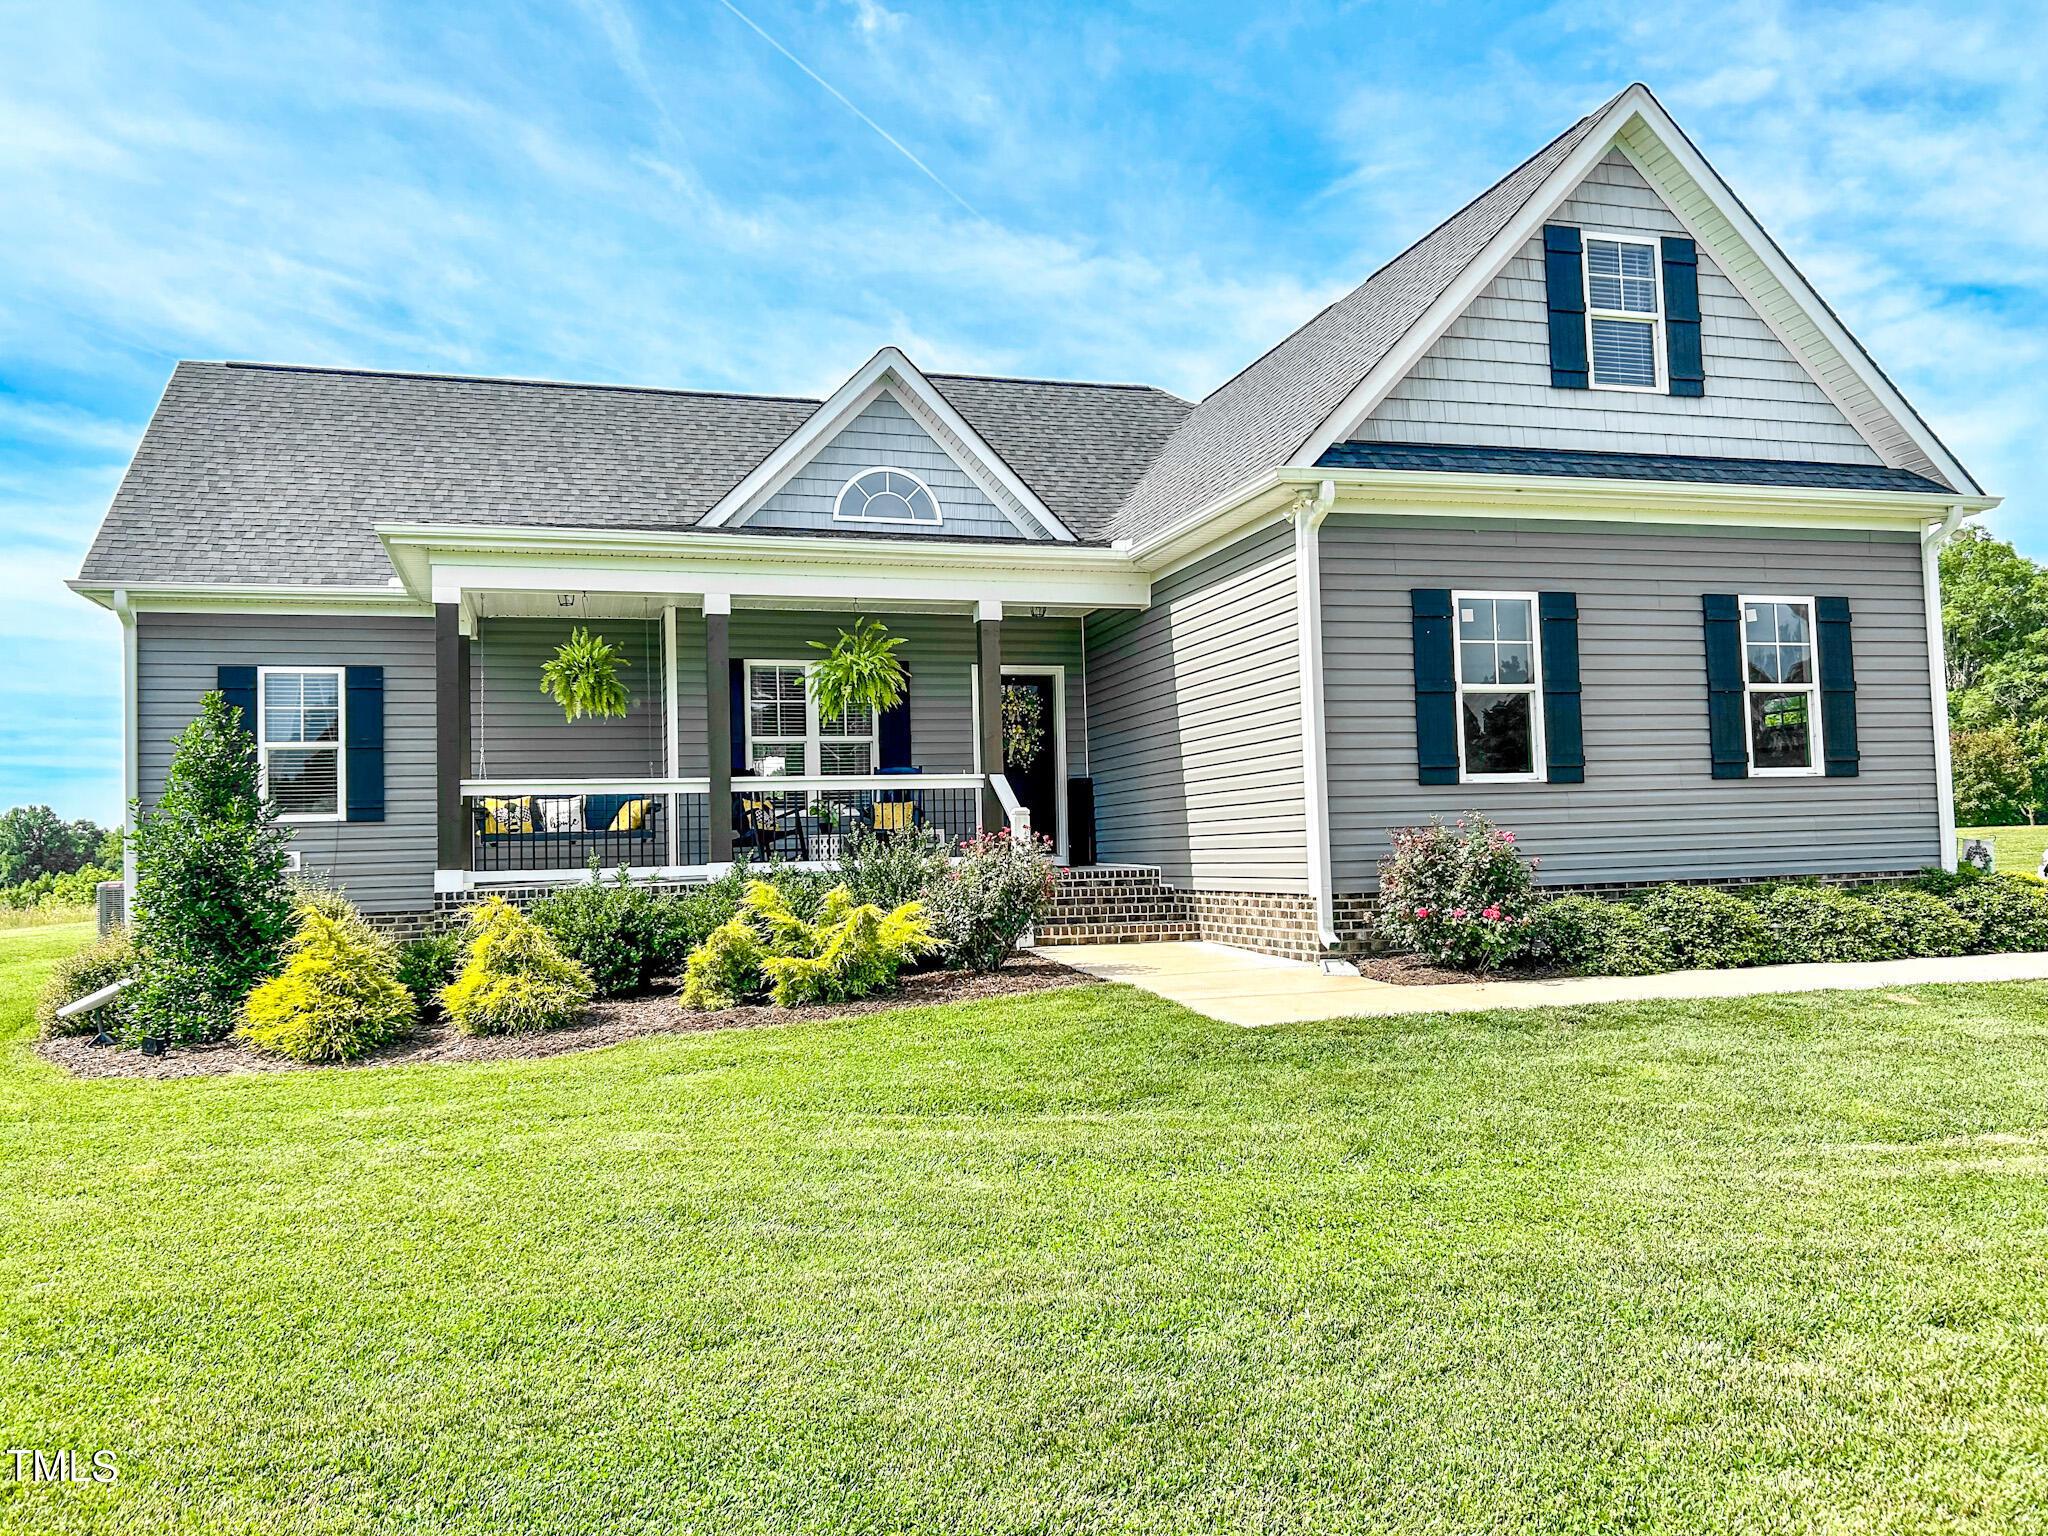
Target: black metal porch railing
x=814 y=825
x=516 y=833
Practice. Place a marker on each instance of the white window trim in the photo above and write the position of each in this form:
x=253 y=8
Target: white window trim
x=1538 y=757
x=263 y=745
x=839 y=501
x=1655 y=320
x=814 y=737
x=1817 y=746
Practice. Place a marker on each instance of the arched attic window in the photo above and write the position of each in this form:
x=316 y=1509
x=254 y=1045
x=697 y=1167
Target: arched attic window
x=886 y=496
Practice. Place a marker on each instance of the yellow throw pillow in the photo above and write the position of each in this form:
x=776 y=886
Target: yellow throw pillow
x=632 y=817
x=504 y=817
x=895 y=815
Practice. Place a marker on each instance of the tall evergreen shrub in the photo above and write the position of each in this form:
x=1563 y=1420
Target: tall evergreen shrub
x=212 y=908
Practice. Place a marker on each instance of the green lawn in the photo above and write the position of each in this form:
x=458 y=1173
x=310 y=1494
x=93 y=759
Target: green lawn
x=1075 y=1262
x=2019 y=848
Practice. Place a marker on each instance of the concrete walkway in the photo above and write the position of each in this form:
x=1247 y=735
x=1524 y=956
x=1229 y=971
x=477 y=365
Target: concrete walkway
x=1240 y=987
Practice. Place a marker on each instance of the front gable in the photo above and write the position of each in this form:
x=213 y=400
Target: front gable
x=887 y=454
x=1486 y=381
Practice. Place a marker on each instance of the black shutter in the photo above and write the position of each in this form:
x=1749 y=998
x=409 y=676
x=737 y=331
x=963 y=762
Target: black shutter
x=363 y=720
x=893 y=730
x=1564 y=750
x=238 y=686
x=1436 y=688
x=1683 y=358
x=1723 y=616
x=740 y=765
x=1564 y=280
x=1837 y=686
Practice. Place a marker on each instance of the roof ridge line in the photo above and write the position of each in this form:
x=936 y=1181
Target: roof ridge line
x=485 y=378
x=1012 y=378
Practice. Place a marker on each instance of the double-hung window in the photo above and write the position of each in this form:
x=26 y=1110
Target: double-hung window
x=1624 y=313
x=1500 y=708
x=783 y=721
x=1781 y=686
x=298 y=734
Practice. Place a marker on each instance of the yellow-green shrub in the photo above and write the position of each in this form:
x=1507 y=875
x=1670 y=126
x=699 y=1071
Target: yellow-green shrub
x=339 y=994
x=514 y=980
x=849 y=951
x=80 y=975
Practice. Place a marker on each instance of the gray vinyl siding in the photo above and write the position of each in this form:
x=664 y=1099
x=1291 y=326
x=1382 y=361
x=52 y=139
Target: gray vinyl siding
x=1487 y=380
x=1650 y=808
x=939 y=654
x=1195 y=724
x=886 y=436
x=518 y=732
x=383 y=866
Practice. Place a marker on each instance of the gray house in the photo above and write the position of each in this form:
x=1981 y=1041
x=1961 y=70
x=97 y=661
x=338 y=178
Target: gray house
x=1585 y=511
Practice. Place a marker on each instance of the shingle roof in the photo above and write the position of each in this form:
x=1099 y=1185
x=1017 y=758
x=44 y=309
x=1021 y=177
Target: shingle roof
x=1625 y=466
x=1260 y=419
x=276 y=475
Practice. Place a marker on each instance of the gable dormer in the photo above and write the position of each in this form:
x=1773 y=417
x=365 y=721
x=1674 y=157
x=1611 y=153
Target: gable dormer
x=887 y=454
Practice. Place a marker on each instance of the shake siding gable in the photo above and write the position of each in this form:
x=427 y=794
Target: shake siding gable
x=1195 y=723
x=1487 y=381
x=1650 y=807
x=885 y=435
x=382 y=866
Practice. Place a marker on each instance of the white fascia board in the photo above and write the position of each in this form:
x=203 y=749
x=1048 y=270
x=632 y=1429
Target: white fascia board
x=219 y=597
x=887 y=368
x=904 y=572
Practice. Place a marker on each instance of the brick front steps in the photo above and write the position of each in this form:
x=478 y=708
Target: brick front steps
x=1116 y=904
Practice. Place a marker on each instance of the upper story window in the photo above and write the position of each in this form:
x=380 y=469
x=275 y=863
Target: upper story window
x=783 y=722
x=885 y=496
x=298 y=735
x=1624 y=306
x=1500 y=714
x=1781 y=685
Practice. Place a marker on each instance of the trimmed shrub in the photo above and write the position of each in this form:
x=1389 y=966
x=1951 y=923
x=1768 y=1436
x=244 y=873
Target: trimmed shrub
x=887 y=869
x=1812 y=923
x=1936 y=881
x=79 y=975
x=1595 y=938
x=850 y=950
x=2011 y=916
x=339 y=994
x=994 y=892
x=1706 y=929
x=1460 y=895
x=427 y=965
x=212 y=908
x=624 y=934
x=1922 y=924
x=726 y=968
x=514 y=980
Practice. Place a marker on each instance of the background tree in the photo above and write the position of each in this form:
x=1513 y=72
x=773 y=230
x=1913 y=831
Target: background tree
x=1994 y=781
x=34 y=841
x=212 y=907
x=1994 y=605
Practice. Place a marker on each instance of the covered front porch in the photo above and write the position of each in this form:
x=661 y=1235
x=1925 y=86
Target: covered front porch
x=721 y=754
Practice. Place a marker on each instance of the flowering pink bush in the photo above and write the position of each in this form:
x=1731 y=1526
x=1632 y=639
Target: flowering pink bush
x=1461 y=895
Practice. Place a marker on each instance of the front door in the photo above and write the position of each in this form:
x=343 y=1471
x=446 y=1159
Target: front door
x=1031 y=747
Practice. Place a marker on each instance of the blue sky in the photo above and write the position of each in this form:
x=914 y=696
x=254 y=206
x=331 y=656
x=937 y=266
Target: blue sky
x=656 y=193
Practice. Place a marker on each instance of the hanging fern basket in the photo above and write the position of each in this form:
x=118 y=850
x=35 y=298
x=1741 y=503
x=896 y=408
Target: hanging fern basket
x=583 y=677
x=859 y=671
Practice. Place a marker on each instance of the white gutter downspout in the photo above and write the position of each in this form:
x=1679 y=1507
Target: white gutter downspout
x=131 y=758
x=1307 y=516
x=1937 y=680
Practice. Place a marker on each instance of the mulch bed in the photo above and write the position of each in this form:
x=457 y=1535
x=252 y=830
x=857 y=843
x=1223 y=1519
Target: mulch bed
x=603 y=1023
x=1414 y=971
